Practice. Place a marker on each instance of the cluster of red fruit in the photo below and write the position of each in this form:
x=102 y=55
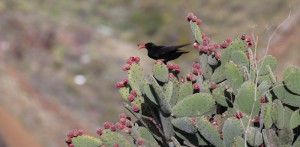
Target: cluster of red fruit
x=192 y=17
x=124 y=125
x=130 y=60
x=247 y=39
x=122 y=83
x=71 y=134
x=207 y=46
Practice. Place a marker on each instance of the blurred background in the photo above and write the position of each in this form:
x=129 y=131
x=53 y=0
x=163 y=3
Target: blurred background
x=60 y=59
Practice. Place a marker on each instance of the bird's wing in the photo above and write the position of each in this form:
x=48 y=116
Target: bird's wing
x=169 y=49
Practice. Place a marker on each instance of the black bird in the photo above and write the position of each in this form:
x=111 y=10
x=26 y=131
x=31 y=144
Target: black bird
x=166 y=53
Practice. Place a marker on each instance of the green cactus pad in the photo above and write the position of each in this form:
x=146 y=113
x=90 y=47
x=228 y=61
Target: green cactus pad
x=287 y=117
x=196 y=32
x=262 y=64
x=266 y=115
x=167 y=127
x=160 y=72
x=235 y=45
x=204 y=66
x=232 y=128
x=175 y=95
x=168 y=88
x=246 y=99
x=185 y=124
x=263 y=88
x=218 y=95
x=124 y=92
x=285 y=136
x=185 y=90
x=218 y=75
x=295 y=119
x=264 y=78
x=239 y=142
x=291 y=76
x=110 y=137
x=135 y=77
x=277 y=114
x=194 y=139
x=194 y=105
x=233 y=75
x=150 y=94
x=270 y=138
x=254 y=136
x=285 y=96
x=86 y=141
x=209 y=132
x=147 y=137
x=239 y=58
x=163 y=102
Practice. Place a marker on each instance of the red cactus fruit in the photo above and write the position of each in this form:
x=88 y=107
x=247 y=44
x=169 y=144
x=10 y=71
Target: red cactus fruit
x=243 y=36
x=70 y=134
x=120 y=126
x=130 y=97
x=126 y=67
x=106 y=125
x=191 y=77
x=196 y=86
x=70 y=145
x=182 y=79
x=216 y=46
x=170 y=65
x=205 y=42
x=135 y=108
x=133 y=92
x=99 y=131
x=194 y=18
x=262 y=99
x=198 y=21
x=248 y=38
x=196 y=45
x=134 y=59
x=202 y=35
x=123 y=121
x=196 y=65
x=171 y=75
x=115 y=144
x=228 y=40
x=128 y=61
x=189 y=16
x=68 y=139
x=113 y=128
x=125 y=81
x=139 y=141
x=238 y=115
x=122 y=115
x=213 y=85
x=127 y=130
x=75 y=133
x=211 y=47
x=80 y=132
x=249 y=44
x=224 y=44
x=255 y=118
x=120 y=84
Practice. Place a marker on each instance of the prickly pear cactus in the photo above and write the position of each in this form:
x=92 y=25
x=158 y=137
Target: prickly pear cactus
x=228 y=98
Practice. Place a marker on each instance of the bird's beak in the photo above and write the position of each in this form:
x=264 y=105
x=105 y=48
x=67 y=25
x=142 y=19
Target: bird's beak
x=141 y=45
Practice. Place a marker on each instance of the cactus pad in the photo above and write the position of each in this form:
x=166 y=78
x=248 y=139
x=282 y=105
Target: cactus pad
x=186 y=89
x=209 y=132
x=160 y=72
x=135 y=77
x=233 y=75
x=110 y=137
x=185 y=124
x=285 y=96
x=291 y=76
x=246 y=100
x=231 y=129
x=295 y=119
x=254 y=137
x=196 y=32
x=266 y=60
x=194 y=105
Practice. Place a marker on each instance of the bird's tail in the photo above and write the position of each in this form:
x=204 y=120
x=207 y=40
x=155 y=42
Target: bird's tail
x=183 y=45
